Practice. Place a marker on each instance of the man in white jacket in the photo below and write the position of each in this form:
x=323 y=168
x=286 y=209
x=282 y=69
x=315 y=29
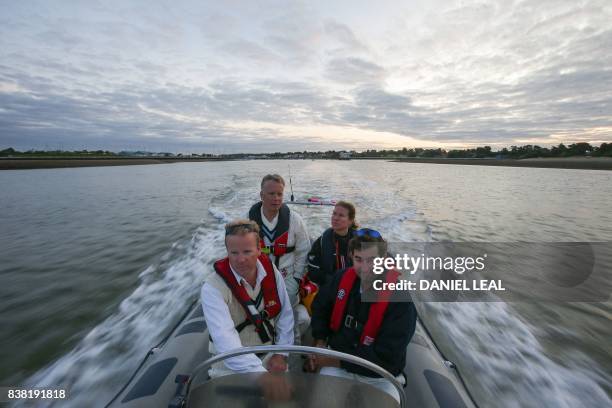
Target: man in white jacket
x=245 y=303
x=285 y=239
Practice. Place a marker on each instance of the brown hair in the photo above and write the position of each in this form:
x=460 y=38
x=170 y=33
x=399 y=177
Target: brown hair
x=358 y=243
x=273 y=177
x=351 y=212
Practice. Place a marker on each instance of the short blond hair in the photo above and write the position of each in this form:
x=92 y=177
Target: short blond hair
x=272 y=177
x=241 y=226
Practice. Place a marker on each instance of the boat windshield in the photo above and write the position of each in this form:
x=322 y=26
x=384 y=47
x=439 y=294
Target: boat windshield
x=291 y=389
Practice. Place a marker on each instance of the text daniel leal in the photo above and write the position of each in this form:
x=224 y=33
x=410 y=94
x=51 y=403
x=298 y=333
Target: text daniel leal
x=461 y=285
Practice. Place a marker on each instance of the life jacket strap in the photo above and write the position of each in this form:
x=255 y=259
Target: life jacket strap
x=375 y=316
x=265 y=332
x=269 y=249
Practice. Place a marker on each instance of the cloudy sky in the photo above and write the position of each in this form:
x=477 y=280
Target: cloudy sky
x=229 y=76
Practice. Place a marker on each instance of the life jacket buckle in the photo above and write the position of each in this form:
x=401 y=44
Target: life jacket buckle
x=350 y=322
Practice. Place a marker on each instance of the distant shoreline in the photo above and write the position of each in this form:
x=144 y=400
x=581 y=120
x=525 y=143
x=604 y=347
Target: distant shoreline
x=27 y=163
x=577 y=163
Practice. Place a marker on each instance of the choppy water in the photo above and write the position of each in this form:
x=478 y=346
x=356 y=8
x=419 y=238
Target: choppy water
x=98 y=263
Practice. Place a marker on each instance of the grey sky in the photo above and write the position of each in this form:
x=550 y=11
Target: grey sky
x=272 y=76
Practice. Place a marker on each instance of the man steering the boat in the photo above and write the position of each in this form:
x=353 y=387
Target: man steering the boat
x=284 y=239
x=342 y=320
x=245 y=303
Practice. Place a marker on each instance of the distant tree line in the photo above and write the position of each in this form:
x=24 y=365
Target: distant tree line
x=60 y=153
x=530 y=151
x=514 y=152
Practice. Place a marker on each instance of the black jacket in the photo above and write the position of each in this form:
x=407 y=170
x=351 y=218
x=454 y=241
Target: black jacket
x=323 y=259
x=388 y=350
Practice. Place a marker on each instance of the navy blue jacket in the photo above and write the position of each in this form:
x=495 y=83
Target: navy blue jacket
x=322 y=256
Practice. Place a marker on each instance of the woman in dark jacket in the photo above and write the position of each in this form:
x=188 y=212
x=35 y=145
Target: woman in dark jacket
x=330 y=251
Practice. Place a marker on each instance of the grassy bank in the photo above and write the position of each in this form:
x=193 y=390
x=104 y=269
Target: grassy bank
x=59 y=162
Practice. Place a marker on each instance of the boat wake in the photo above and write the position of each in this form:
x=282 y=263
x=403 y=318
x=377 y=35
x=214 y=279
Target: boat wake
x=500 y=357
x=103 y=360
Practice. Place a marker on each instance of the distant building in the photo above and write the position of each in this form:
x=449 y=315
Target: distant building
x=345 y=156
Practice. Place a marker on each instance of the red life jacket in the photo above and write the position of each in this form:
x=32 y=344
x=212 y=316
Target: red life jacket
x=281 y=233
x=377 y=310
x=272 y=304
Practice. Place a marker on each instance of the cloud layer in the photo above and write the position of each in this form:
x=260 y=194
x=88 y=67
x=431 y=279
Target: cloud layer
x=234 y=76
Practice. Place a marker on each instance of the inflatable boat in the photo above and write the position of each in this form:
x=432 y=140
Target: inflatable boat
x=174 y=374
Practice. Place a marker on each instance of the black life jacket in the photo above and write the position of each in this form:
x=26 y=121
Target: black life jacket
x=281 y=233
x=331 y=260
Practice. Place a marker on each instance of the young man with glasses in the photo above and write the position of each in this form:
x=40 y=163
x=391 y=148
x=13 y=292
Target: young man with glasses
x=377 y=331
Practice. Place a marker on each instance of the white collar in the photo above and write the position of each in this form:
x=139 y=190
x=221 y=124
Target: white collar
x=261 y=274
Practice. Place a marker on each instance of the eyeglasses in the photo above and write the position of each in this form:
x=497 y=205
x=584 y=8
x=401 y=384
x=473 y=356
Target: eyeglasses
x=367 y=232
